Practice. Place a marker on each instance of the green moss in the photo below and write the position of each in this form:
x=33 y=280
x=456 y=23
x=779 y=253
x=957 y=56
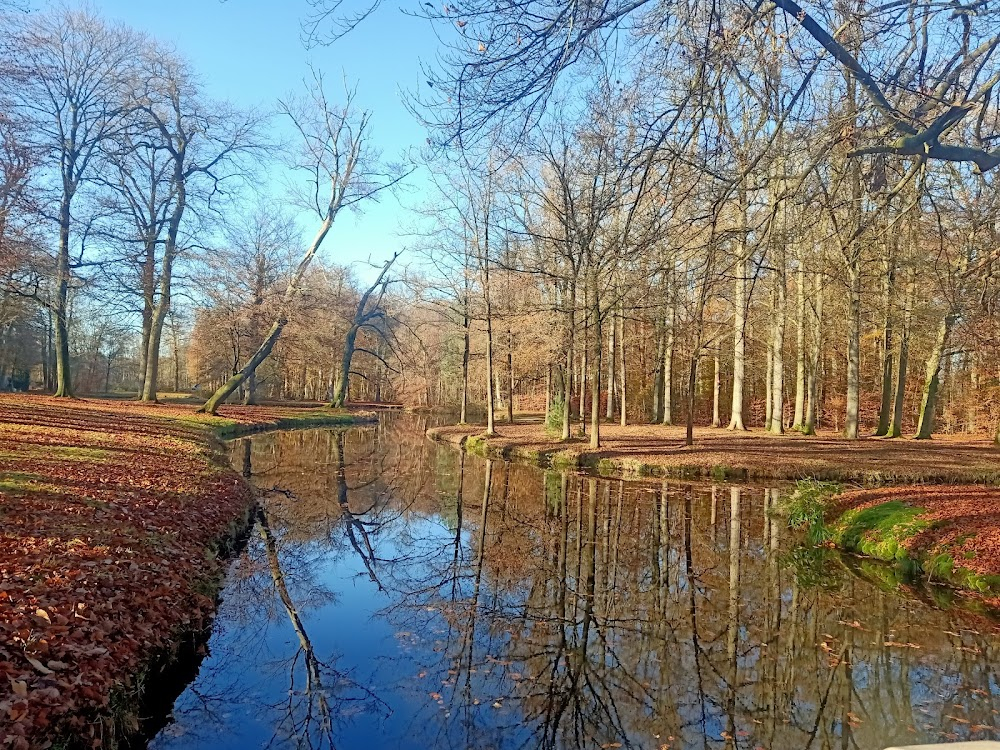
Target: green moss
x=880 y=531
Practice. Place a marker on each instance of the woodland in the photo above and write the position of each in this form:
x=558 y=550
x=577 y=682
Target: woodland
x=727 y=214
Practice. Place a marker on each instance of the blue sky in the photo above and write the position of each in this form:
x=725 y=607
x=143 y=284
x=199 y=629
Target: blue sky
x=250 y=52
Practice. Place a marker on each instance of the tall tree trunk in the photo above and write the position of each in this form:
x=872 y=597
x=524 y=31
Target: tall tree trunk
x=851 y=425
x=896 y=428
x=567 y=394
x=490 y=394
x=623 y=421
x=669 y=323
x=658 y=373
x=740 y=302
x=612 y=362
x=148 y=285
x=166 y=279
x=769 y=383
x=177 y=357
x=798 y=416
x=466 y=345
x=815 y=358
x=885 y=409
x=64 y=380
x=595 y=373
x=777 y=425
x=716 y=391
x=156 y=329
x=852 y=257
x=932 y=378
x=510 y=376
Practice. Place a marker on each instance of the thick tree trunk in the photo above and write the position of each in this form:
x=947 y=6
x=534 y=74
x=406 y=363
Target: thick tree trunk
x=739 y=339
x=148 y=282
x=166 y=281
x=896 y=427
x=64 y=379
x=815 y=358
x=932 y=379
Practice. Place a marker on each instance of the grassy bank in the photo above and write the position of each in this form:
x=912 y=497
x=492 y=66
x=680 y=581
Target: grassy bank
x=113 y=520
x=946 y=534
x=659 y=451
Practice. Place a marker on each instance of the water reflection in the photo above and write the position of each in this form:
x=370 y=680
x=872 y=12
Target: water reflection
x=398 y=594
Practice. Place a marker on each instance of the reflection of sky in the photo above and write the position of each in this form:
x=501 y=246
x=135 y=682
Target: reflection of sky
x=638 y=678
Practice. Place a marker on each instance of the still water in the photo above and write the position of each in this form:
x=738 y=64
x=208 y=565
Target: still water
x=397 y=594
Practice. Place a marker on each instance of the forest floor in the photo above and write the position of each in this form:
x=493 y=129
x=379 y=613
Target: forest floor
x=657 y=450
x=113 y=515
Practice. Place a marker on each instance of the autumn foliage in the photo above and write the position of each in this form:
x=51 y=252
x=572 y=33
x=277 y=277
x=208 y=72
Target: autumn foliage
x=109 y=513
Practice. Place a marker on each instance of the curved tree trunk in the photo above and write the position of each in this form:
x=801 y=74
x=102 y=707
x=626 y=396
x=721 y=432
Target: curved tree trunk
x=932 y=378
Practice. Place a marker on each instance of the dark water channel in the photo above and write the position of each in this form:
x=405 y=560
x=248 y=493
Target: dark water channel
x=397 y=594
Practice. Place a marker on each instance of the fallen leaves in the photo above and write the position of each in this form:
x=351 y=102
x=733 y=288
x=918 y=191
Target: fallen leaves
x=102 y=556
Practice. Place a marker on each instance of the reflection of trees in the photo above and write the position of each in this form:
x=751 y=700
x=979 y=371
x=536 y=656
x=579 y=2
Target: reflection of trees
x=311 y=712
x=551 y=610
x=627 y=612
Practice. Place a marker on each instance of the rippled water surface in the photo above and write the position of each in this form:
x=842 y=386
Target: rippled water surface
x=396 y=594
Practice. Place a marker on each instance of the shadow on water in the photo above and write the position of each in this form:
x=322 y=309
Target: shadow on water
x=399 y=594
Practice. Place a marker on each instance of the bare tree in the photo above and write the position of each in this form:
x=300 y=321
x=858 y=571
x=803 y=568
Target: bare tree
x=341 y=171
x=74 y=94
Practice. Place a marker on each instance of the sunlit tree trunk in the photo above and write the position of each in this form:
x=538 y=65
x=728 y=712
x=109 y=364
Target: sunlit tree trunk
x=815 y=358
x=510 y=376
x=716 y=391
x=896 y=427
x=466 y=345
x=740 y=301
x=612 y=362
x=658 y=374
x=777 y=424
x=567 y=394
x=668 y=353
x=622 y=391
x=595 y=373
x=798 y=416
x=888 y=294
x=932 y=378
